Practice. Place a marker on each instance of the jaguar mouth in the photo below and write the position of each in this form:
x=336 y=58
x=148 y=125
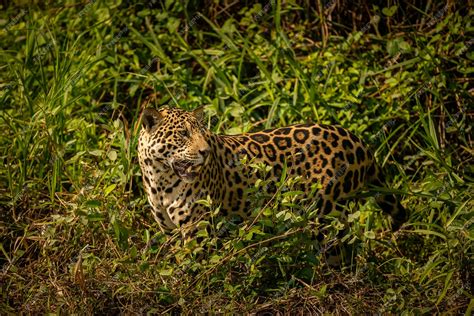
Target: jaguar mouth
x=187 y=169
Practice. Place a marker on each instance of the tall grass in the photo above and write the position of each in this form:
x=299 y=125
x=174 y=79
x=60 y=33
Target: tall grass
x=76 y=231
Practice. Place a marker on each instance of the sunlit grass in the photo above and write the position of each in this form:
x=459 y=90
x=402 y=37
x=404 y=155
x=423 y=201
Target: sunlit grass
x=76 y=232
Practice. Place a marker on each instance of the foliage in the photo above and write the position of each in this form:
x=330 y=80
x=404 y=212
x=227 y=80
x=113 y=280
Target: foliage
x=76 y=232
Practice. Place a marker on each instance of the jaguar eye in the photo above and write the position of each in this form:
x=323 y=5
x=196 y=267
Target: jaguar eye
x=184 y=133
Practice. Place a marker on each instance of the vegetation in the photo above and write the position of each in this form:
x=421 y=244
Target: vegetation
x=76 y=233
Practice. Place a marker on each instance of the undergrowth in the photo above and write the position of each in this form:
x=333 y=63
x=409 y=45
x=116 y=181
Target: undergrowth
x=76 y=233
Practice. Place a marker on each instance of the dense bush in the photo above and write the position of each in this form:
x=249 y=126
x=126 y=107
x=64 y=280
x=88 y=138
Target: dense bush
x=76 y=232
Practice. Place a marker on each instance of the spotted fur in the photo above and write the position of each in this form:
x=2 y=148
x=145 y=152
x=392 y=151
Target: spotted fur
x=182 y=162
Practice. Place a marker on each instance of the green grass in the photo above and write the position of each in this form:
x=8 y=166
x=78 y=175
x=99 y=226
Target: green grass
x=76 y=233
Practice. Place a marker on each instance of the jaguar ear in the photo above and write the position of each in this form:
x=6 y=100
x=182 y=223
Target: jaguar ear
x=150 y=119
x=199 y=113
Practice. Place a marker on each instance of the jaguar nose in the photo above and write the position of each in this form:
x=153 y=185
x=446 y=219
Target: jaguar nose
x=204 y=152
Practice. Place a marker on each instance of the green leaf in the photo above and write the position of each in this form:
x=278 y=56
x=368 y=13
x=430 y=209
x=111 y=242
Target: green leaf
x=133 y=252
x=429 y=232
x=447 y=286
x=369 y=234
x=456 y=213
x=202 y=233
x=112 y=155
x=403 y=45
x=393 y=47
x=215 y=259
x=93 y=203
x=95 y=217
x=144 y=266
x=354 y=216
x=238 y=245
x=390 y=11
x=97 y=152
x=109 y=189
x=166 y=272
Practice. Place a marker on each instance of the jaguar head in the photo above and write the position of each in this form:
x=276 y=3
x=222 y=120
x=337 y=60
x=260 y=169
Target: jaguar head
x=175 y=139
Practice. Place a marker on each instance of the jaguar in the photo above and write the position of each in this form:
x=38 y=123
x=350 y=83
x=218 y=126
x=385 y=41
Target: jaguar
x=183 y=162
